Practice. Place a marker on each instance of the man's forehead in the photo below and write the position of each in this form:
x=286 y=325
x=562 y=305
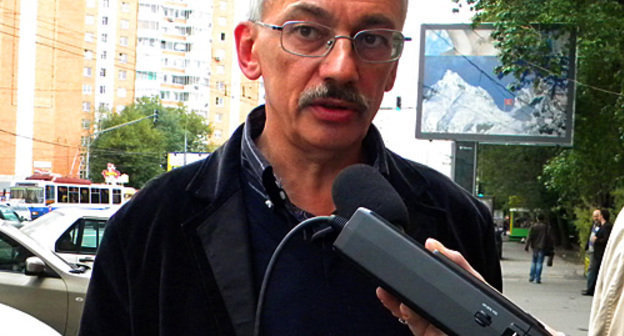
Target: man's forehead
x=326 y=8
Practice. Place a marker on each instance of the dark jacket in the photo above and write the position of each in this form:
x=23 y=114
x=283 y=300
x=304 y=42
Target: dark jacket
x=602 y=237
x=176 y=259
x=539 y=238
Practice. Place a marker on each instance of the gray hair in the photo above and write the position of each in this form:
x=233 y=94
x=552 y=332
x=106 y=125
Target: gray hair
x=256 y=9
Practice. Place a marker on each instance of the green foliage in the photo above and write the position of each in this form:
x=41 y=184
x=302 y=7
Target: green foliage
x=591 y=173
x=511 y=174
x=140 y=149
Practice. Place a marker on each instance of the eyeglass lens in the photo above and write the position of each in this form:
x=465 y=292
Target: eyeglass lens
x=311 y=39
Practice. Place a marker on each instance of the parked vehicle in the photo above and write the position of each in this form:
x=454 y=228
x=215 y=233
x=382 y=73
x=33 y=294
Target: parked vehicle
x=7 y=215
x=22 y=211
x=36 y=281
x=73 y=233
x=16 y=323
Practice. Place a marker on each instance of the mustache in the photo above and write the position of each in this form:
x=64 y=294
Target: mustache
x=335 y=91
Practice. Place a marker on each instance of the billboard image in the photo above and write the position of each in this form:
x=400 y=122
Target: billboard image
x=461 y=98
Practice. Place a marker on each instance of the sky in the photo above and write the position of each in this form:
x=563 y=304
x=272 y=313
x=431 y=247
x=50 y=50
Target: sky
x=398 y=128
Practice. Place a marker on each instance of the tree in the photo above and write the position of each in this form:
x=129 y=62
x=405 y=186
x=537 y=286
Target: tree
x=140 y=149
x=590 y=173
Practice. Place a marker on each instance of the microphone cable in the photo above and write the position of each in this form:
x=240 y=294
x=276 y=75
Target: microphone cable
x=332 y=220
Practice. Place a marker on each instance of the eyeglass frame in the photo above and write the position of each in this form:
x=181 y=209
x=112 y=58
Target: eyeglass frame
x=332 y=41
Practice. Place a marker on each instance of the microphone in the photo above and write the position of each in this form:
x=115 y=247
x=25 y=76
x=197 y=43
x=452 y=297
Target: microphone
x=429 y=283
x=361 y=185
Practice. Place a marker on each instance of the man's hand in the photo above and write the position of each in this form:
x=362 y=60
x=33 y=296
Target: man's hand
x=418 y=325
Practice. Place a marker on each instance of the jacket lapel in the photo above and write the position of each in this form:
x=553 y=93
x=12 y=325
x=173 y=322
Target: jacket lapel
x=221 y=229
x=224 y=238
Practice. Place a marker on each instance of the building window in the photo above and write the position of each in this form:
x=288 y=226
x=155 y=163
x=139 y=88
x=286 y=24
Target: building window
x=88 y=54
x=124 y=24
x=125 y=7
x=120 y=108
x=123 y=58
x=220 y=69
x=122 y=75
x=102 y=89
x=103 y=54
x=86 y=71
x=219 y=117
x=86 y=89
x=105 y=20
x=89 y=19
x=222 y=36
x=90 y=3
x=222 y=21
x=89 y=37
x=84 y=140
x=105 y=3
x=219 y=101
x=102 y=72
x=123 y=41
x=86 y=124
x=86 y=106
x=104 y=38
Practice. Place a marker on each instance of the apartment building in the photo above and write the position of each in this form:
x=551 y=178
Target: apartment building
x=65 y=63
x=41 y=119
x=186 y=55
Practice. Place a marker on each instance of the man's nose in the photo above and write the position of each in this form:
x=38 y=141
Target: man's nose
x=341 y=63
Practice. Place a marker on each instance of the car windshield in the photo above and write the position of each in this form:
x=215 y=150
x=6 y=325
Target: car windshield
x=8 y=214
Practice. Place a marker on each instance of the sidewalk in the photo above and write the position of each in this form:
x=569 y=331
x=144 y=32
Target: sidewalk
x=557 y=300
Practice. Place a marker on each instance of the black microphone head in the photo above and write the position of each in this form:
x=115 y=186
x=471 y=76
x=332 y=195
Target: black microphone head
x=361 y=185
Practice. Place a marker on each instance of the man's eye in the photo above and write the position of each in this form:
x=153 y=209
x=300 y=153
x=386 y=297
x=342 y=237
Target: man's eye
x=371 y=40
x=307 y=32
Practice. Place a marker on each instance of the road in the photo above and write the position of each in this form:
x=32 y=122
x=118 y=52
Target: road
x=557 y=301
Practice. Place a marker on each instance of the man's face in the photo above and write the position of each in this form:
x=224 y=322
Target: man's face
x=596 y=216
x=326 y=121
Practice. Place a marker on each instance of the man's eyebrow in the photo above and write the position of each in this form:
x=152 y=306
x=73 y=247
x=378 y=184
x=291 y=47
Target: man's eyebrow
x=307 y=9
x=376 y=20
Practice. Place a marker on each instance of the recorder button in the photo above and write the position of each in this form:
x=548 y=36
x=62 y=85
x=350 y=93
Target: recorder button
x=482 y=318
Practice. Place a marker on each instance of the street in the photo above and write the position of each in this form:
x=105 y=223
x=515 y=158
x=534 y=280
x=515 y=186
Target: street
x=557 y=301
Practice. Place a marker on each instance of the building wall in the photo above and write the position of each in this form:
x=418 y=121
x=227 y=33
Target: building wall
x=9 y=30
x=43 y=55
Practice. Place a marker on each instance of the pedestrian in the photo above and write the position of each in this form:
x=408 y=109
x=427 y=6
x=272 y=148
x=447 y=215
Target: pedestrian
x=186 y=256
x=541 y=243
x=596 y=244
x=607 y=311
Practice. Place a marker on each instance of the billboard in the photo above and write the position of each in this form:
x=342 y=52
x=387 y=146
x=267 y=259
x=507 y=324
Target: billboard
x=460 y=97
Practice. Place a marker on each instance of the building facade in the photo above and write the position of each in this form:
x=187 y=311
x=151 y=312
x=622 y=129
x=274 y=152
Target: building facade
x=67 y=63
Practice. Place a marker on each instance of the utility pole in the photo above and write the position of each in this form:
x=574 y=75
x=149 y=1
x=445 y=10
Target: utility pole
x=95 y=134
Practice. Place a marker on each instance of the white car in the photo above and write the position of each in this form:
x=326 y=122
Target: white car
x=73 y=233
x=18 y=323
x=33 y=279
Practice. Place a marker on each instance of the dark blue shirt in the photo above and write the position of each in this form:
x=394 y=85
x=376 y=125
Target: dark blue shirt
x=312 y=290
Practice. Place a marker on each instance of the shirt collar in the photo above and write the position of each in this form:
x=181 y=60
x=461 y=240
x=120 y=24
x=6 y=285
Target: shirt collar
x=260 y=172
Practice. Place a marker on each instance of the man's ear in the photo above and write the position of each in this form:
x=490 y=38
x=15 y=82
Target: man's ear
x=391 y=78
x=247 y=60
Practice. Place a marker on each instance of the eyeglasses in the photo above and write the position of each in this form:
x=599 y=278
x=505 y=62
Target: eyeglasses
x=310 y=39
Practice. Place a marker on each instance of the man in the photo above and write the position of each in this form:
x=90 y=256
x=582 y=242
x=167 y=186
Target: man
x=607 y=317
x=187 y=255
x=596 y=244
x=540 y=241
